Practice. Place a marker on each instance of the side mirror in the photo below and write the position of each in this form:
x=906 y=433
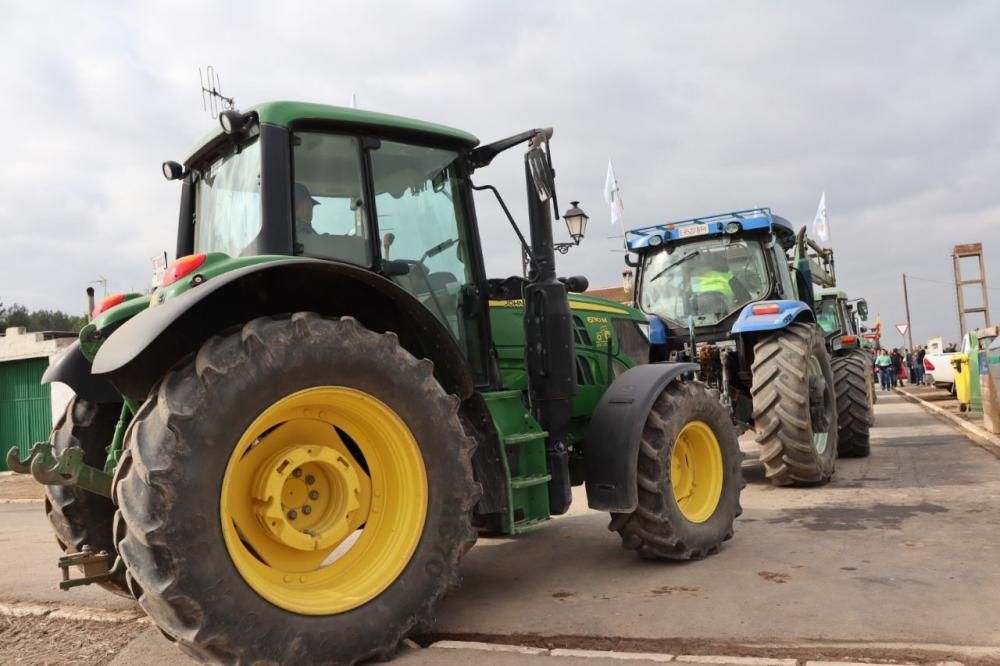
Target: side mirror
x=541 y=174
x=576 y=283
x=863 y=309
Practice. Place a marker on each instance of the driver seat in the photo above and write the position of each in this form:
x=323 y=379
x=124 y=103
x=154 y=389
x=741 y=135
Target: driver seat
x=711 y=302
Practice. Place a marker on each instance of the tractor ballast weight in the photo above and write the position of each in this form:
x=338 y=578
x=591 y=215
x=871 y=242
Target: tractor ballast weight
x=300 y=384
x=734 y=293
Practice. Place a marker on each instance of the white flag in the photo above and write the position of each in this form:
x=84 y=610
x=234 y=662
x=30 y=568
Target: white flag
x=613 y=196
x=821 y=227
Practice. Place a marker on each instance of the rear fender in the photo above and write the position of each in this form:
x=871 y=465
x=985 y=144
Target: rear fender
x=611 y=447
x=73 y=369
x=788 y=312
x=139 y=353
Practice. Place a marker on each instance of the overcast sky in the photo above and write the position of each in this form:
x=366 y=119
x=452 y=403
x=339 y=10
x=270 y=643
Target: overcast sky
x=892 y=108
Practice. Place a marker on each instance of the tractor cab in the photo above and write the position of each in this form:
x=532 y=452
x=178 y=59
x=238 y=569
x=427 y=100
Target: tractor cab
x=385 y=194
x=839 y=317
x=701 y=273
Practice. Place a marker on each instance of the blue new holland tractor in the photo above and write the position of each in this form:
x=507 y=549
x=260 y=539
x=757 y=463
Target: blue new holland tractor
x=734 y=294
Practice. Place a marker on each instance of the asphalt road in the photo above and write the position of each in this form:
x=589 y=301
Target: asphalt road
x=903 y=546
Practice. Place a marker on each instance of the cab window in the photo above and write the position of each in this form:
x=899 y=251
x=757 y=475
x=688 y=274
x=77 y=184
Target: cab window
x=328 y=206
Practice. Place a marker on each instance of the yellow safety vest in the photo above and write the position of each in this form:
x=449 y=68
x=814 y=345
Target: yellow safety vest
x=714 y=281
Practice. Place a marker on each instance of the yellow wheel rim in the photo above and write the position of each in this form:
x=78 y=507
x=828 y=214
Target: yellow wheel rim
x=312 y=526
x=696 y=472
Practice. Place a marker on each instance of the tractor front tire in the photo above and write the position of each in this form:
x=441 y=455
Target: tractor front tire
x=689 y=478
x=794 y=406
x=80 y=518
x=852 y=377
x=254 y=464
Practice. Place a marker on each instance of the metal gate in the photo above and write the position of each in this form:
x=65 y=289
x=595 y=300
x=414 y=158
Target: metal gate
x=25 y=405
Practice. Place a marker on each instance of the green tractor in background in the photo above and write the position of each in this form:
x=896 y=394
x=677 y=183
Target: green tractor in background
x=284 y=452
x=839 y=317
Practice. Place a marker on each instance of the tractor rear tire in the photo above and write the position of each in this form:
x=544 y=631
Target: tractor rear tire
x=852 y=377
x=370 y=422
x=797 y=446
x=689 y=478
x=78 y=517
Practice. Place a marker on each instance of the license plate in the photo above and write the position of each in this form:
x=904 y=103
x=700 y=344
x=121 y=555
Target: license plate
x=692 y=230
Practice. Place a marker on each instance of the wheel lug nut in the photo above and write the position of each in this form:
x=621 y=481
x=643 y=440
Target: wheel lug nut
x=297 y=473
x=313 y=494
x=307 y=509
x=310 y=479
x=293 y=514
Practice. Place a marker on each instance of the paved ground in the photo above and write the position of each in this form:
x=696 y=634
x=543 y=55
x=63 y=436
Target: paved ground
x=902 y=548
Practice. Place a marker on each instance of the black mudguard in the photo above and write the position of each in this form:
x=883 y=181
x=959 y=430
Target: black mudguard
x=611 y=447
x=139 y=353
x=73 y=369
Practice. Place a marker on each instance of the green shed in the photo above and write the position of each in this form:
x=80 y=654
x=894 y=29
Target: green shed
x=28 y=408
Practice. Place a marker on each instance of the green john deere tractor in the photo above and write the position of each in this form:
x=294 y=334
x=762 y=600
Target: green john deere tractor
x=283 y=453
x=852 y=369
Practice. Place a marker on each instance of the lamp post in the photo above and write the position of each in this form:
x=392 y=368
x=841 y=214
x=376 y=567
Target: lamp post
x=576 y=224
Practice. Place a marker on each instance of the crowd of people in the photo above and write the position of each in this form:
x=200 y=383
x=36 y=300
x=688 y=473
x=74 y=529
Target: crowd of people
x=893 y=368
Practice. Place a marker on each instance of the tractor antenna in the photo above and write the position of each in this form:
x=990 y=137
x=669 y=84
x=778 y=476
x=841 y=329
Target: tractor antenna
x=212 y=99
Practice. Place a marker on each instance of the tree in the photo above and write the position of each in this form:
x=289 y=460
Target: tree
x=39 y=320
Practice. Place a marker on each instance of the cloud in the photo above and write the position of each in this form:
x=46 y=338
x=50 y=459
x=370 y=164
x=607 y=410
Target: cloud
x=704 y=107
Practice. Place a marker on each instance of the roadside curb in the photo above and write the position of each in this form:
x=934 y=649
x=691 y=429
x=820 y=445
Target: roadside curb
x=979 y=435
x=652 y=657
x=72 y=613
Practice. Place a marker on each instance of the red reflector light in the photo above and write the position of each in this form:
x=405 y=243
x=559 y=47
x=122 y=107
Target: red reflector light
x=107 y=303
x=772 y=308
x=928 y=365
x=181 y=267
x=848 y=339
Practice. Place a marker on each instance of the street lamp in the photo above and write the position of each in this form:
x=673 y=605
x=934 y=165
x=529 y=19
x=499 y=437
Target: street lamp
x=576 y=224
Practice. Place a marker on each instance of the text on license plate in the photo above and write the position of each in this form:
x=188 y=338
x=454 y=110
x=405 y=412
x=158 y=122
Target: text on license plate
x=692 y=230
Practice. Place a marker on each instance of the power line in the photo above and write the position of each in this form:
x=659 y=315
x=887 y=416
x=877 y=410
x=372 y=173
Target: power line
x=944 y=282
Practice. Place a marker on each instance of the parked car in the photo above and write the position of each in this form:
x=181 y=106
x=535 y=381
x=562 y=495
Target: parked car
x=939 y=371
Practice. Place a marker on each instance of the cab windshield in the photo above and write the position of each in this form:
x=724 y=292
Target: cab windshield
x=228 y=212
x=706 y=280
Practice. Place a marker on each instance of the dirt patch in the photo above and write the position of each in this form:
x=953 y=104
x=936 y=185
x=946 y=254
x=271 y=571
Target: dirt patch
x=675 y=589
x=43 y=640
x=878 y=516
x=20 y=487
x=774 y=576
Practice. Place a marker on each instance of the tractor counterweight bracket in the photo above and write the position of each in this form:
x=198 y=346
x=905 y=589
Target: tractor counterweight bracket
x=60 y=469
x=96 y=567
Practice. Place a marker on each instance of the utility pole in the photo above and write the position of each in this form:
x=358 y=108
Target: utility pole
x=909 y=326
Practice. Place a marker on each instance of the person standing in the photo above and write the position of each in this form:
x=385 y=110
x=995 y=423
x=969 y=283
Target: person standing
x=896 y=364
x=919 y=364
x=884 y=364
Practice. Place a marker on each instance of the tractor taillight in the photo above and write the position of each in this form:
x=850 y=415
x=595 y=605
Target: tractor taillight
x=928 y=365
x=180 y=268
x=848 y=339
x=771 y=308
x=107 y=303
